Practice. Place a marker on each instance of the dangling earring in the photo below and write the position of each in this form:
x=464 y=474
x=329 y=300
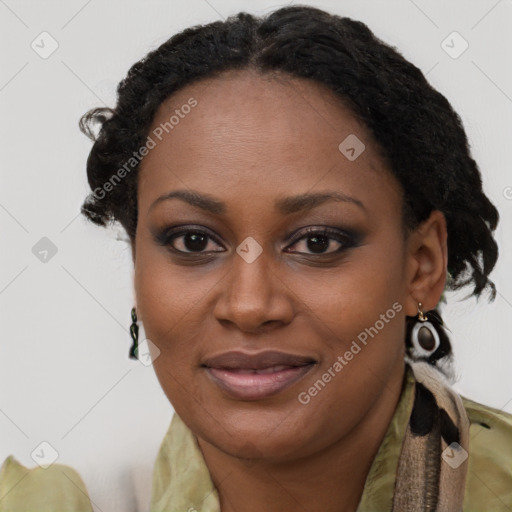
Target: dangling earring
x=424 y=336
x=134 y=332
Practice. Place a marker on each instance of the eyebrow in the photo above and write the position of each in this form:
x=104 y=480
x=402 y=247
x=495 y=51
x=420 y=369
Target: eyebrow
x=285 y=206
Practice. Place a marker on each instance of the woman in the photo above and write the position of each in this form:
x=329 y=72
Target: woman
x=297 y=198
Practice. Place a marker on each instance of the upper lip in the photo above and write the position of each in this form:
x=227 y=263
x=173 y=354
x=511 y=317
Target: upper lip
x=258 y=361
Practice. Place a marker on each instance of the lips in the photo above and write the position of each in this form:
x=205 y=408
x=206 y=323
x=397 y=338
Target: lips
x=256 y=376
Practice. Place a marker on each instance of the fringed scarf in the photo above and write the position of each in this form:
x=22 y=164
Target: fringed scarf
x=432 y=467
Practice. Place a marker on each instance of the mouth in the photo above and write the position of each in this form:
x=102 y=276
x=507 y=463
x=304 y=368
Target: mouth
x=256 y=376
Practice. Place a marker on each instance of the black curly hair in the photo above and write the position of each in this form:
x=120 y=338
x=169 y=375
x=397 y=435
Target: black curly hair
x=415 y=127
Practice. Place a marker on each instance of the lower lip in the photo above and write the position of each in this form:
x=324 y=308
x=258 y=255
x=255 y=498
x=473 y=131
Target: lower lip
x=255 y=386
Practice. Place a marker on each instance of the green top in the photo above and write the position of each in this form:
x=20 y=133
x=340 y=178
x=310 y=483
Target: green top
x=182 y=483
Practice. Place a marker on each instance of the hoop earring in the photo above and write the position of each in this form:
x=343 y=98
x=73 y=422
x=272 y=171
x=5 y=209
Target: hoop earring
x=134 y=332
x=424 y=336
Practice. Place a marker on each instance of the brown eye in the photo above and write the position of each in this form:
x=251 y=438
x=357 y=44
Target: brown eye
x=323 y=241
x=194 y=242
x=188 y=241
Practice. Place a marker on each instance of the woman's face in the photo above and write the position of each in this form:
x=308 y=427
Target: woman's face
x=240 y=260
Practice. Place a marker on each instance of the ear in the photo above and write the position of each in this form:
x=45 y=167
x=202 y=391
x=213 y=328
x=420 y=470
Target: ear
x=426 y=263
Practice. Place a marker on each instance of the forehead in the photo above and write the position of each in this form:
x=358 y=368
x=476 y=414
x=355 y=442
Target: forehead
x=272 y=132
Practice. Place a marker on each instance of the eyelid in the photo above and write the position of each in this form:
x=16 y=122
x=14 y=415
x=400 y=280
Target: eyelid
x=164 y=236
x=351 y=238
x=301 y=232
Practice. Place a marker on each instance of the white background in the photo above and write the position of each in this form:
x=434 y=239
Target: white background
x=65 y=376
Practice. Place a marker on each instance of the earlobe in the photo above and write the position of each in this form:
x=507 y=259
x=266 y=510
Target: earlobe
x=427 y=260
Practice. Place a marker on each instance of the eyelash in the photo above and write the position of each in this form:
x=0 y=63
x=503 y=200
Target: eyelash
x=347 y=239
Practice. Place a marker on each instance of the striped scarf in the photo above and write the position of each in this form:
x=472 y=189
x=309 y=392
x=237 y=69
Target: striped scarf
x=433 y=462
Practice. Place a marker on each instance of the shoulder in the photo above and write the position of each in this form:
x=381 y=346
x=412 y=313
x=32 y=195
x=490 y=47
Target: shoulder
x=489 y=478
x=58 y=488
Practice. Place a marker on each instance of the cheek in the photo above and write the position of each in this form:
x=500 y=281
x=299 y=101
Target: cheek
x=166 y=302
x=365 y=286
x=359 y=315
x=168 y=295
x=174 y=308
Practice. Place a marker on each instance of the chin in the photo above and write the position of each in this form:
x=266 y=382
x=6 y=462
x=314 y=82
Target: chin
x=247 y=436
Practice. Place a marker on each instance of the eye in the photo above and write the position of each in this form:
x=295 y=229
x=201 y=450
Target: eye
x=315 y=241
x=188 y=241
x=324 y=241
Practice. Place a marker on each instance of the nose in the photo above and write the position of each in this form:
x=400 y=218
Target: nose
x=253 y=297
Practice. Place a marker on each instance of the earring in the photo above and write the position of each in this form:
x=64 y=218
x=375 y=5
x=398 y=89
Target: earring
x=424 y=336
x=134 y=332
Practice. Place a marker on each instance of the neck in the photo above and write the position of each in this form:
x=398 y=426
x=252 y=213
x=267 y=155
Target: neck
x=331 y=480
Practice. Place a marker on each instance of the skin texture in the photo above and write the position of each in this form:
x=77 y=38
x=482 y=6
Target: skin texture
x=251 y=140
